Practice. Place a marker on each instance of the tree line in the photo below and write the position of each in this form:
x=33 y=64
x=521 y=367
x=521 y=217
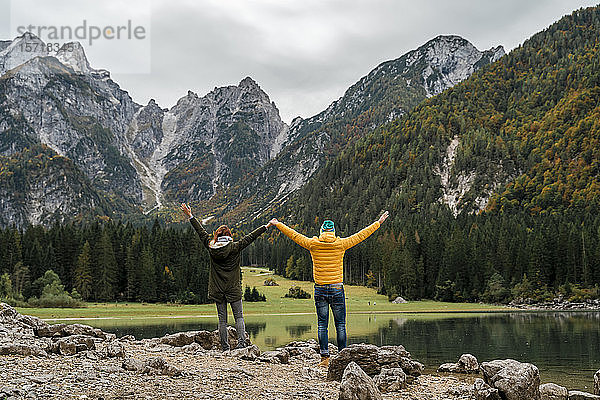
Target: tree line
x=105 y=261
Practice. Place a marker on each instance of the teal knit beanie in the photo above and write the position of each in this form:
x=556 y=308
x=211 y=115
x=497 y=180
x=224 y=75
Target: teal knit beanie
x=327 y=226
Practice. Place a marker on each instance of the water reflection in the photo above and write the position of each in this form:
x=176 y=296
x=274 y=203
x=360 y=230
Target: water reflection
x=564 y=345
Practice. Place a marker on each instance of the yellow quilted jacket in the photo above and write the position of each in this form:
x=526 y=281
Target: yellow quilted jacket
x=327 y=251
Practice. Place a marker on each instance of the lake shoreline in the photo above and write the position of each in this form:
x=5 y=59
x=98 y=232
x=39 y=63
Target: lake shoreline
x=41 y=361
x=71 y=361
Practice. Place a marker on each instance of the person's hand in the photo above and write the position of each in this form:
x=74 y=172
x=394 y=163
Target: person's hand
x=186 y=210
x=272 y=222
x=383 y=217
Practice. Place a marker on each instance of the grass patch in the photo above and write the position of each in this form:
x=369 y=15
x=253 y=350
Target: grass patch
x=359 y=299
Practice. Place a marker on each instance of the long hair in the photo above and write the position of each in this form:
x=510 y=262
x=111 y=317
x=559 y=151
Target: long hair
x=223 y=230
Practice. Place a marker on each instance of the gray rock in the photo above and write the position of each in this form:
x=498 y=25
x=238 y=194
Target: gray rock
x=391 y=354
x=365 y=355
x=281 y=356
x=158 y=366
x=41 y=378
x=552 y=391
x=390 y=380
x=70 y=345
x=577 y=395
x=205 y=339
x=357 y=385
x=399 y=300
x=249 y=353
x=115 y=349
x=51 y=330
x=83 y=330
x=411 y=367
x=452 y=368
x=132 y=364
x=467 y=364
x=483 y=391
x=22 y=350
x=513 y=379
x=597 y=382
x=179 y=339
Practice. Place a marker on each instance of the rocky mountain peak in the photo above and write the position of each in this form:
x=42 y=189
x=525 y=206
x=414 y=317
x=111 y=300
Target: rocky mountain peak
x=20 y=50
x=73 y=55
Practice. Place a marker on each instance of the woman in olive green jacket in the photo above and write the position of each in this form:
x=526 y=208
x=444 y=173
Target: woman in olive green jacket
x=224 y=284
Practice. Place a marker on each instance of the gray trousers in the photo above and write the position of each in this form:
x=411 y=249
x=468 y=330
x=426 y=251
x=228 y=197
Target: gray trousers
x=238 y=314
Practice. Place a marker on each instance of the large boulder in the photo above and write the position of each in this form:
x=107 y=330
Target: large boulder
x=357 y=385
x=22 y=350
x=365 y=355
x=391 y=354
x=11 y=317
x=513 y=379
x=577 y=395
x=483 y=391
x=390 y=380
x=372 y=359
x=552 y=391
x=597 y=382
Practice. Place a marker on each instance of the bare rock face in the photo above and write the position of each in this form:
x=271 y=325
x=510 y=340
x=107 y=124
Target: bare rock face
x=483 y=391
x=552 y=391
x=357 y=385
x=390 y=380
x=513 y=379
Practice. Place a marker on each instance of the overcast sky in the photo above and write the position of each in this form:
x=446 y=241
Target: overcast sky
x=303 y=53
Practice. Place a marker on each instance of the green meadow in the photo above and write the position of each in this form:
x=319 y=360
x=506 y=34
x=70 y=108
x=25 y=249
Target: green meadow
x=359 y=299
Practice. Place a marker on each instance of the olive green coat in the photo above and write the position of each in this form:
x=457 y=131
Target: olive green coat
x=224 y=278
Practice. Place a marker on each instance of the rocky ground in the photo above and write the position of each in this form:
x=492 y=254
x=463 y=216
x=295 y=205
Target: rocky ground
x=41 y=361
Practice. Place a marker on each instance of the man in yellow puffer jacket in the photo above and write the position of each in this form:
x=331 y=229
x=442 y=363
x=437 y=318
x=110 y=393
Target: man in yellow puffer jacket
x=327 y=253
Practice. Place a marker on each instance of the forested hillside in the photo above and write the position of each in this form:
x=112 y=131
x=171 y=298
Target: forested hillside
x=522 y=178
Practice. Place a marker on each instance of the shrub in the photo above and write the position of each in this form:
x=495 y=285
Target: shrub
x=296 y=292
x=253 y=295
x=53 y=293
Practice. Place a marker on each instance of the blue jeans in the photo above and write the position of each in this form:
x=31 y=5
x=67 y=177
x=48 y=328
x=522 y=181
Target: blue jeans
x=331 y=295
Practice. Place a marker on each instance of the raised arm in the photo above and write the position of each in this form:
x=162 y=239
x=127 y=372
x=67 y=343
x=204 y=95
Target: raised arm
x=249 y=238
x=358 y=237
x=292 y=234
x=204 y=236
